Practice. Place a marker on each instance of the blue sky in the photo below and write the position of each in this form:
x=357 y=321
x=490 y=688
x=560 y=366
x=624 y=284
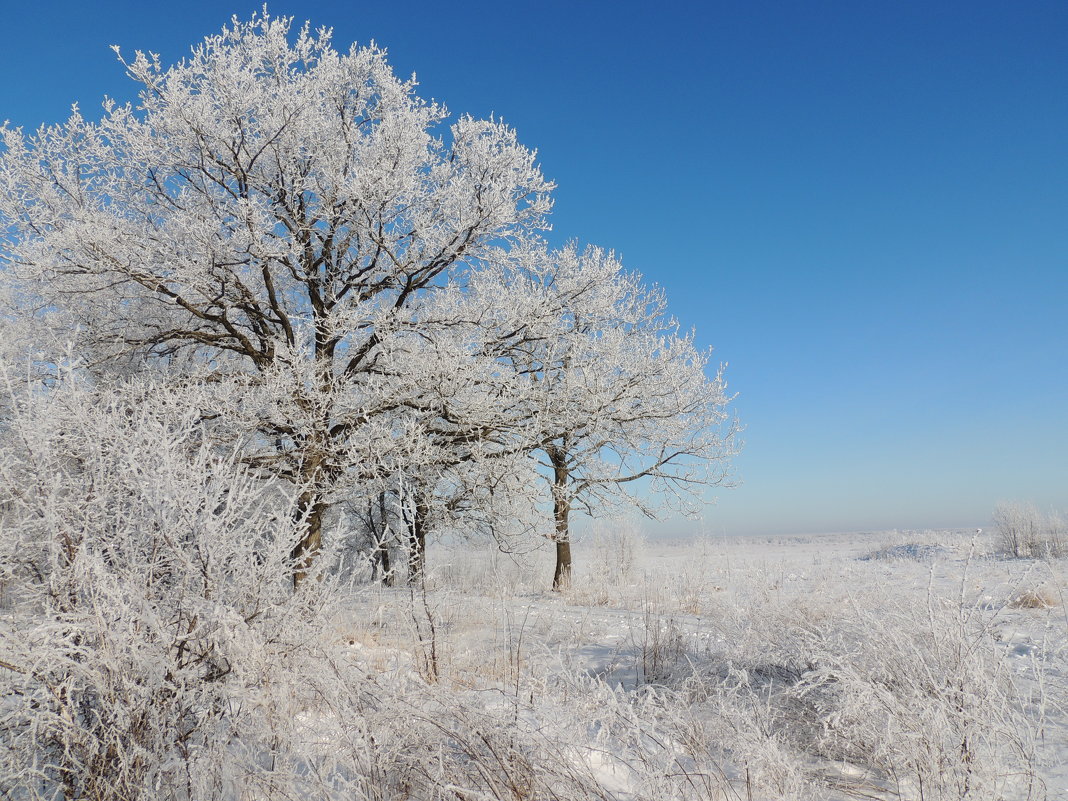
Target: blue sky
x=862 y=206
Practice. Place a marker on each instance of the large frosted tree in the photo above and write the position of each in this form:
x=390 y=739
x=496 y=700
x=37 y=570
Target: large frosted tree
x=269 y=218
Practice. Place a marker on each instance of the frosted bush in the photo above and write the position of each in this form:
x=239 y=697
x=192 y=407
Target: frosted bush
x=154 y=647
x=615 y=546
x=1024 y=531
x=914 y=692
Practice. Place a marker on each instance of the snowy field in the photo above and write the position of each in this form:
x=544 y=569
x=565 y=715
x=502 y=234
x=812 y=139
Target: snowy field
x=877 y=665
x=903 y=665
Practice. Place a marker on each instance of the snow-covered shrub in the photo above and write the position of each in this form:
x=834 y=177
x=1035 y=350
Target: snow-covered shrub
x=916 y=551
x=153 y=646
x=1023 y=531
x=618 y=545
x=611 y=550
x=1054 y=536
x=660 y=648
x=913 y=692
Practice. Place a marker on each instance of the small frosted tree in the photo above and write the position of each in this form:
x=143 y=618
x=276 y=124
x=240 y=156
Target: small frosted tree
x=626 y=410
x=1014 y=523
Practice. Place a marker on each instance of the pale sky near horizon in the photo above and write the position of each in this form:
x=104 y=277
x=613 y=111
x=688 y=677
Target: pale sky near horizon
x=863 y=207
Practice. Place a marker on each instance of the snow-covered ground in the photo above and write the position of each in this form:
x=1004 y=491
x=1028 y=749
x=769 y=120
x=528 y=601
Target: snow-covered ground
x=876 y=665
x=907 y=665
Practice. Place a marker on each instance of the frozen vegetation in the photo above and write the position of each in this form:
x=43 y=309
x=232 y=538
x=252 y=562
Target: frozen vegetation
x=153 y=647
x=297 y=408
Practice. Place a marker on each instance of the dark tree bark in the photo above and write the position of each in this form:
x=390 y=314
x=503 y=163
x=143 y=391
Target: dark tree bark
x=562 y=574
x=382 y=550
x=380 y=531
x=310 y=509
x=383 y=563
x=561 y=512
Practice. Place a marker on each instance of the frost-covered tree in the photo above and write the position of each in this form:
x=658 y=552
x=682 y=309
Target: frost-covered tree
x=270 y=218
x=626 y=408
x=356 y=292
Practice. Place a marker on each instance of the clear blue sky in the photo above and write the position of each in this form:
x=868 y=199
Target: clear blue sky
x=863 y=206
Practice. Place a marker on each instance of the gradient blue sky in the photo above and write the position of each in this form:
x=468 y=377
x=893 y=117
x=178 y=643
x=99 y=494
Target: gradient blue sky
x=863 y=206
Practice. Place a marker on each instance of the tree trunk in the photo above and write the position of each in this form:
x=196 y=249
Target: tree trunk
x=381 y=533
x=561 y=510
x=415 y=516
x=310 y=509
x=562 y=574
x=383 y=561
